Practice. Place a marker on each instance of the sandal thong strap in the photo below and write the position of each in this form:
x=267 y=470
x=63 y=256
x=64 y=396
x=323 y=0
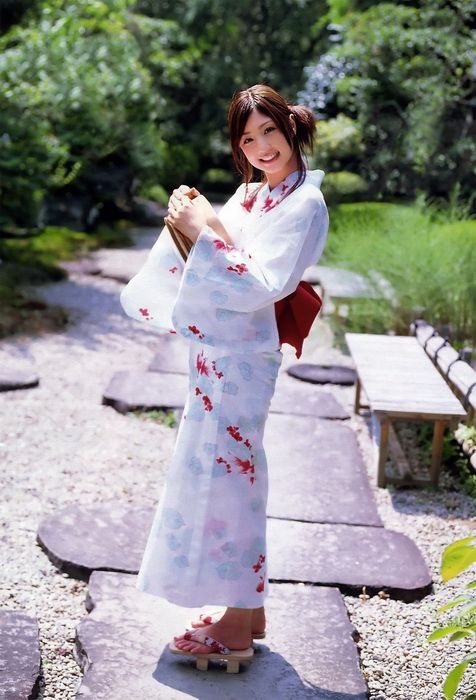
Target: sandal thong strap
x=216 y=647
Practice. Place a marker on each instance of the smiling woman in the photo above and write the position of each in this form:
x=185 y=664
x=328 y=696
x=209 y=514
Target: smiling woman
x=207 y=544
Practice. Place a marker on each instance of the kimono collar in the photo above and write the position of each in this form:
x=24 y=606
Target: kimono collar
x=267 y=199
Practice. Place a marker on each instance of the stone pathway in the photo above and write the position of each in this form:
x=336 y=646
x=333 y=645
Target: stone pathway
x=19 y=656
x=115 y=465
x=315 y=659
x=331 y=504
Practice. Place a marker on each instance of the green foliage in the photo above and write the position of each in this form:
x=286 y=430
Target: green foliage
x=339 y=143
x=456 y=558
x=410 y=83
x=343 y=186
x=77 y=91
x=156 y=193
x=158 y=416
x=411 y=261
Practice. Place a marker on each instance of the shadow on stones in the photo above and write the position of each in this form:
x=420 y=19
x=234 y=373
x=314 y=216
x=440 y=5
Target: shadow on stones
x=268 y=675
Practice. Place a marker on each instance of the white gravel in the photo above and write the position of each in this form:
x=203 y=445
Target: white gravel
x=59 y=445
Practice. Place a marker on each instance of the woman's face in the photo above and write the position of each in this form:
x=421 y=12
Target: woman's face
x=266 y=148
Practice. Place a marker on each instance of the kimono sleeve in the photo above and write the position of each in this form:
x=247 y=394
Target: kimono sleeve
x=151 y=294
x=222 y=279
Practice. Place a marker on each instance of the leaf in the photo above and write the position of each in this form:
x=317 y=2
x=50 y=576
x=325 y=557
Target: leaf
x=441 y=632
x=453 y=679
x=459 y=635
x=456 y=601
x=457 y=557
x=471 y=585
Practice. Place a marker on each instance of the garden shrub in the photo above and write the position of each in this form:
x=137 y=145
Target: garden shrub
x=429 y=266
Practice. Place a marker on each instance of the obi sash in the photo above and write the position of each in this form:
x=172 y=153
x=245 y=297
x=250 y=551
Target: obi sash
x=295 y=315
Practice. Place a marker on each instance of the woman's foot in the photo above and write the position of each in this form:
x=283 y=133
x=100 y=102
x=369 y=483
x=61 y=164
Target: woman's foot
x=233 y=630
x=258 y=620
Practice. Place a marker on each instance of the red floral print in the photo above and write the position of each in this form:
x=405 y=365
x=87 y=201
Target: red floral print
x=247 y=467
x=214 y=368
x=234 y=432
x=195 y=331
x=221 y=245
x=269 y=203
x=248 y=204
x=171 y=330
x=173 y=269
x=247 y=443
x=239 y=268
x=202 y=367
x=222 y=460
x=259 y=564
x=207 y=403
x=260 y=586
x=198 y=391
x=146 y=314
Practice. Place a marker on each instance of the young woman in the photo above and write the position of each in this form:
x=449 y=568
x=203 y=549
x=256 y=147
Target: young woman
x=207 y=544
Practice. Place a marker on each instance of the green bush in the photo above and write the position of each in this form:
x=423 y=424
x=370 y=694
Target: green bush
x=343 y=186
x=76 y=93
x=428 y=266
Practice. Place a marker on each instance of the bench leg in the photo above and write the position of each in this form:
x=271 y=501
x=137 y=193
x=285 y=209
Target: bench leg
x=382 y=452
x=437 y=450
x=358 y=387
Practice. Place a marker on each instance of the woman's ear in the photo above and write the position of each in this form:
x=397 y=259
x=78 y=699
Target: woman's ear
x=292 y=119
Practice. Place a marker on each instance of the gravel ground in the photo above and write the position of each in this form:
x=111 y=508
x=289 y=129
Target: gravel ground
x=59 y=445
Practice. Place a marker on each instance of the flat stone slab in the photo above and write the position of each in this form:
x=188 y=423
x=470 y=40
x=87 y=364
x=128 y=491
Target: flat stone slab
x=323 y=374
x=339 y=282
x=347 y=556
x=142 y=390
x=323 y=461
x=123 y=644
x=81 y=539
x=12 y=378
x=19 y=656
x=112 y=537
x=300 y=399
x=171 y=356
x=82 y=266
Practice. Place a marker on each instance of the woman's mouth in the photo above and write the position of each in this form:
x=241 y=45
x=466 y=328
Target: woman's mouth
x=271 y=158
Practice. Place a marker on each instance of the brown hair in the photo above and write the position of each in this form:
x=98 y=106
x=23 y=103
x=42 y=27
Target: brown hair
x=272 y=104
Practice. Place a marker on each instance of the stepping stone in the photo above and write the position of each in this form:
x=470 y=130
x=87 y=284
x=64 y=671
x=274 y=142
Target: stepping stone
x=17 y=378
x=142 y=390
x=172 y=355
x=303 y=400
x=112 y=537
x=323 y=461
x=82 y=266
x=323 y=374
x=347 y=556
x=80 y=539
x=123 y=646
x=19 y=656
x=339 y=282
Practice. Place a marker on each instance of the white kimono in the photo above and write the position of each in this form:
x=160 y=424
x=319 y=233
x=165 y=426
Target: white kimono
x=207 y=544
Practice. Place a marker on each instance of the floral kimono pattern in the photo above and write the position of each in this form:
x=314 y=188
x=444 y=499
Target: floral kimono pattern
x=207 y=544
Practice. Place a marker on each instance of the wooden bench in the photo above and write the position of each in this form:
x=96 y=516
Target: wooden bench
x=401 y=383
x=456 y=369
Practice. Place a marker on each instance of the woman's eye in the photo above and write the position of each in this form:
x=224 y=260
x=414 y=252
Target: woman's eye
x=269 y=128
x=245 y=141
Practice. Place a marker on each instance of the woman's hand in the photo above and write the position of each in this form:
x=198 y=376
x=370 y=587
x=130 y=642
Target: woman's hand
x=189 y=218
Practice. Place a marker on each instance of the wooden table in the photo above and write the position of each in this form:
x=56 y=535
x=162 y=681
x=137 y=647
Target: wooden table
x=401 y=382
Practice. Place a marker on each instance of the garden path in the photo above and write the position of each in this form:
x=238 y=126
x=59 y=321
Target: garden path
x=86 y=453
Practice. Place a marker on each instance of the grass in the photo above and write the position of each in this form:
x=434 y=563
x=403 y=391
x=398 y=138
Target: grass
x=429 y=263
x=164 y=417
x=27 y=261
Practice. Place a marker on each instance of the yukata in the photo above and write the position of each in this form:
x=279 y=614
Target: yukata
x=207 y=543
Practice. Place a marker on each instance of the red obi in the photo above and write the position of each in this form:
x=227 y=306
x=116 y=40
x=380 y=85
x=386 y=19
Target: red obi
x=295 y=315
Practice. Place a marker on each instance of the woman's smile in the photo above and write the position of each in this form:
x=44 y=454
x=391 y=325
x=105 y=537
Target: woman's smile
x=266 y=148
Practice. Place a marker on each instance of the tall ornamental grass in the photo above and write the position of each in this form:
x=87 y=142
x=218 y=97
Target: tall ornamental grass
x=417 y=264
